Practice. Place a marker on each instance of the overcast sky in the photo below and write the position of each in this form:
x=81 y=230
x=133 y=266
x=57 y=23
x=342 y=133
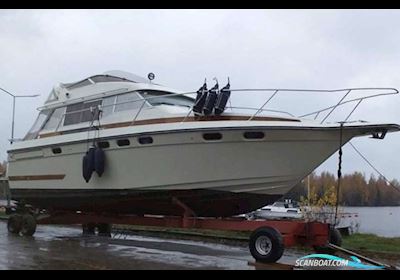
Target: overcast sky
x=256 y=48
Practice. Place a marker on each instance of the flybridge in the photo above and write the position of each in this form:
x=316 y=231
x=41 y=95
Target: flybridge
x=109 y=76
x=99 y=86
x=125 y=98
x=207 y=102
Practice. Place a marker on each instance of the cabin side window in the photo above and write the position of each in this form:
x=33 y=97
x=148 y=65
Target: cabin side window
x=81 y=112
x=88 y=115
x=108 y=105
x=128 y=101
x=123 y=102
x=73 y=114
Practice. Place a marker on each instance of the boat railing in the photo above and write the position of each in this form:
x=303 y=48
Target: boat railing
x=329 y=109
x=325 y=112
x=342 y=102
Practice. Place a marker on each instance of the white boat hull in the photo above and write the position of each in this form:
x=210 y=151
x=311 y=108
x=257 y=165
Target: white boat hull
x=223 y=177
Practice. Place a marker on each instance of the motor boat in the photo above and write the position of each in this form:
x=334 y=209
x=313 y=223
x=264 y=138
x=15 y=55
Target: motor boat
x=120 y=143
x=287 y=209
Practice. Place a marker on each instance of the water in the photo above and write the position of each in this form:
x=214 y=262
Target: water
x=382 y=221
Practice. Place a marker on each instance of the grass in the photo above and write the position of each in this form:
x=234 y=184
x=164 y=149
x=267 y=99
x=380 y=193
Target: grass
x=372 y=243
x=362 y=243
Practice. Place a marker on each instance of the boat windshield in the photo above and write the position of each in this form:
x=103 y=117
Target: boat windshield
x=164 y=99
x=37 y=125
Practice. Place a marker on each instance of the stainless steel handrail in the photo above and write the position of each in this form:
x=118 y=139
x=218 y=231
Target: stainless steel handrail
x=342 y=101
x=266 y=102
x=360 y=99
x=333 y=108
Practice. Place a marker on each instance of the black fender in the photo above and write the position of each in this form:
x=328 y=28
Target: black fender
x=99 y=161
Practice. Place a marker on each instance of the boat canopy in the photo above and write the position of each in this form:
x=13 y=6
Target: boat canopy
x=108 y=76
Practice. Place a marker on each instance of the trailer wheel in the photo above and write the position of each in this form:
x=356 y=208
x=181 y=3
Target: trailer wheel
x=14 y=224
x=266 y=245
x=104 y=229
x=88 y=229
x=335 y=238
x=28 y=225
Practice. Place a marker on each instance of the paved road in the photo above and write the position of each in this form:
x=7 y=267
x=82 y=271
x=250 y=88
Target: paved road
x=55 y=247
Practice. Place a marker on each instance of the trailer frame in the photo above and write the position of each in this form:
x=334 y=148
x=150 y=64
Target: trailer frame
x=294 y=232
x=267 y=241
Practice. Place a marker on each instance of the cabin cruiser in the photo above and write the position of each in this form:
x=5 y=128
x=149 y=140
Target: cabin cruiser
x=287 y=209
x=119 y=143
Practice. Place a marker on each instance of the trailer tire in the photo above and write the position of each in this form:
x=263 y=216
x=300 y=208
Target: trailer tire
x=335 y=238
x=14 y=224
x=104 y=229
x=28 y=227
x=88 y=229
x=266 y=245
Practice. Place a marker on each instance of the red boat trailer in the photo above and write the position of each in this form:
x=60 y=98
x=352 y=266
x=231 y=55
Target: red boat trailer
x=266 y=243
x=294 y=232
x=267 y=240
